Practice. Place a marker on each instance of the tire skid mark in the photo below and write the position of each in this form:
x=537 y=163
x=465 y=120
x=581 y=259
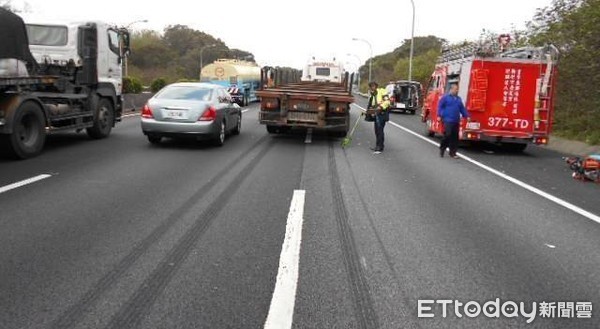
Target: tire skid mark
x=140 y=303
x=386 y=254
x=73 y=314
x=363 y=303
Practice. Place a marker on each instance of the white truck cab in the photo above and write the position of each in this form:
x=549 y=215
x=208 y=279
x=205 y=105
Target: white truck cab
x=57 y=43
x=323 y=71
x=57 y=76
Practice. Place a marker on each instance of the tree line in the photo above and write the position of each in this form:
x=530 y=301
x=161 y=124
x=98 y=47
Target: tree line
x=175 y=54
x=571 y=25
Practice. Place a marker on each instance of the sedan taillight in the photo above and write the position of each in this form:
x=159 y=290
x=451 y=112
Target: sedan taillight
x=210 y=114
x=147 y=112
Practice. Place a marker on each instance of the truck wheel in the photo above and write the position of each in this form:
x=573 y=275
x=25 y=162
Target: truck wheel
x=104 y=119
x=29 y=132
x=514 y=147
x=344 y=131
x=340 y=133
x=272 y=129
x=428 y=132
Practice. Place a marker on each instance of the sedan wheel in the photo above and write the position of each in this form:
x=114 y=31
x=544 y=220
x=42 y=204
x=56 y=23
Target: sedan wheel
x=221 y=136
x=238 y=127
x=154 y=139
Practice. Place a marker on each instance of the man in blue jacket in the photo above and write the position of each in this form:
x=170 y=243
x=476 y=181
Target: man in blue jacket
x=450 y=109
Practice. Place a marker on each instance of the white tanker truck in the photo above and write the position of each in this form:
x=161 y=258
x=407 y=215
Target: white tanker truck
x=241 y=78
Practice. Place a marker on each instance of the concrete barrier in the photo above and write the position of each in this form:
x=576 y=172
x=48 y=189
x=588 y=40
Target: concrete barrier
x=135 y=102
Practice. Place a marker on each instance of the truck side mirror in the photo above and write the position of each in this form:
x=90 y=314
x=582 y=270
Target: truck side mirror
x=125 y=43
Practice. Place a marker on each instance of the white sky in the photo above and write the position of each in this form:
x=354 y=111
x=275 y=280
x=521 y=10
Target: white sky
x=289 y=32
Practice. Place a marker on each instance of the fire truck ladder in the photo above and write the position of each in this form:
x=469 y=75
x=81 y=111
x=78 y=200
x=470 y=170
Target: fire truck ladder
x=544 y=91
x=458 y=53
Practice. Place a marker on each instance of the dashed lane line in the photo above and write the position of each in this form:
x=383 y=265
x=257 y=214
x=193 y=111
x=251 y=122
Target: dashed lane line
x=281 y=311
x=24 y=182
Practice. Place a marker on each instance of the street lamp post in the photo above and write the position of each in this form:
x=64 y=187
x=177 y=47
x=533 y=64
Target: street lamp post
x=202 y=58
x=371 y=58
x=412 y=42
x=127 y=56
x=358 y=70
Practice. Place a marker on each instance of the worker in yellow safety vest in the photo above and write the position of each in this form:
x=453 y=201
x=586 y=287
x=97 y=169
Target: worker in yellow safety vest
x=380 y=103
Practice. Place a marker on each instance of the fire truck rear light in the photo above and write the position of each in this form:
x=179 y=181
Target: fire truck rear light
x=472 y=136
x=541 y=140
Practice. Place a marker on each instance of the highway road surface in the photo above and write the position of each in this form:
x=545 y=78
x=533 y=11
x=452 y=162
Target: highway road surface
x=292 y=231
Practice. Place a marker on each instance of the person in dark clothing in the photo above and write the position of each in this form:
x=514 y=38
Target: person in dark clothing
x=379 y=102
x=450 y=110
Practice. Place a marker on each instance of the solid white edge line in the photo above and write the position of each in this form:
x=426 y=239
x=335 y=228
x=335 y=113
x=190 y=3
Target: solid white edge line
x=246 y=110
x=24 y=182
x=281 y=311
x=511 y=179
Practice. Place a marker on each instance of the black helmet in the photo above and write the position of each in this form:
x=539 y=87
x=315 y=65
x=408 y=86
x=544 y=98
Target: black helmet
x=373 y=83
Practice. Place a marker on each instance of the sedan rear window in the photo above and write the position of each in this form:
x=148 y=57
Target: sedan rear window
x=185 y=93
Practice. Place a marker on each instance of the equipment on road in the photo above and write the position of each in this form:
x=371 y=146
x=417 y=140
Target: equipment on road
x=56 y=77
x=241 y=78
x=585 y=169
x=348 y=140
x=287 y=102
x=509 y=93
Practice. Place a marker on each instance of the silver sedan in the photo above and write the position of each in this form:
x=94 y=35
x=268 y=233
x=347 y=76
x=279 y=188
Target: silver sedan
x=196 y=110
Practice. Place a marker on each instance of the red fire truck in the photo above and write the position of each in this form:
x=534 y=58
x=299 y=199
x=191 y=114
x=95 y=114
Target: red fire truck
x=508 y=92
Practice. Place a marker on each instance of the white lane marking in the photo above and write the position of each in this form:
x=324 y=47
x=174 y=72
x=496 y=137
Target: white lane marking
x=281 y=311
x=309 y=133
x=550 y=246
x=245 y=110
x=511 y=179
x=23 y=183
x=130 y=115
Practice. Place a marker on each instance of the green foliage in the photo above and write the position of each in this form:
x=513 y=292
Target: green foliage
x=175 y=54
x=158 y=84
x=132 y=85
x=394 y=65
x=572 y=25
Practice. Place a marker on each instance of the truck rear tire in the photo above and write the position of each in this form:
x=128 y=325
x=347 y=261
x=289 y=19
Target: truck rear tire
x=429 y=133
x=272 y=129
x=344 y=131
x=29 y=133
x=104 y=119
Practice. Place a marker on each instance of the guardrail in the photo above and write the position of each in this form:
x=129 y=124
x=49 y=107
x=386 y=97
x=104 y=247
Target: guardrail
x=135 y=102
